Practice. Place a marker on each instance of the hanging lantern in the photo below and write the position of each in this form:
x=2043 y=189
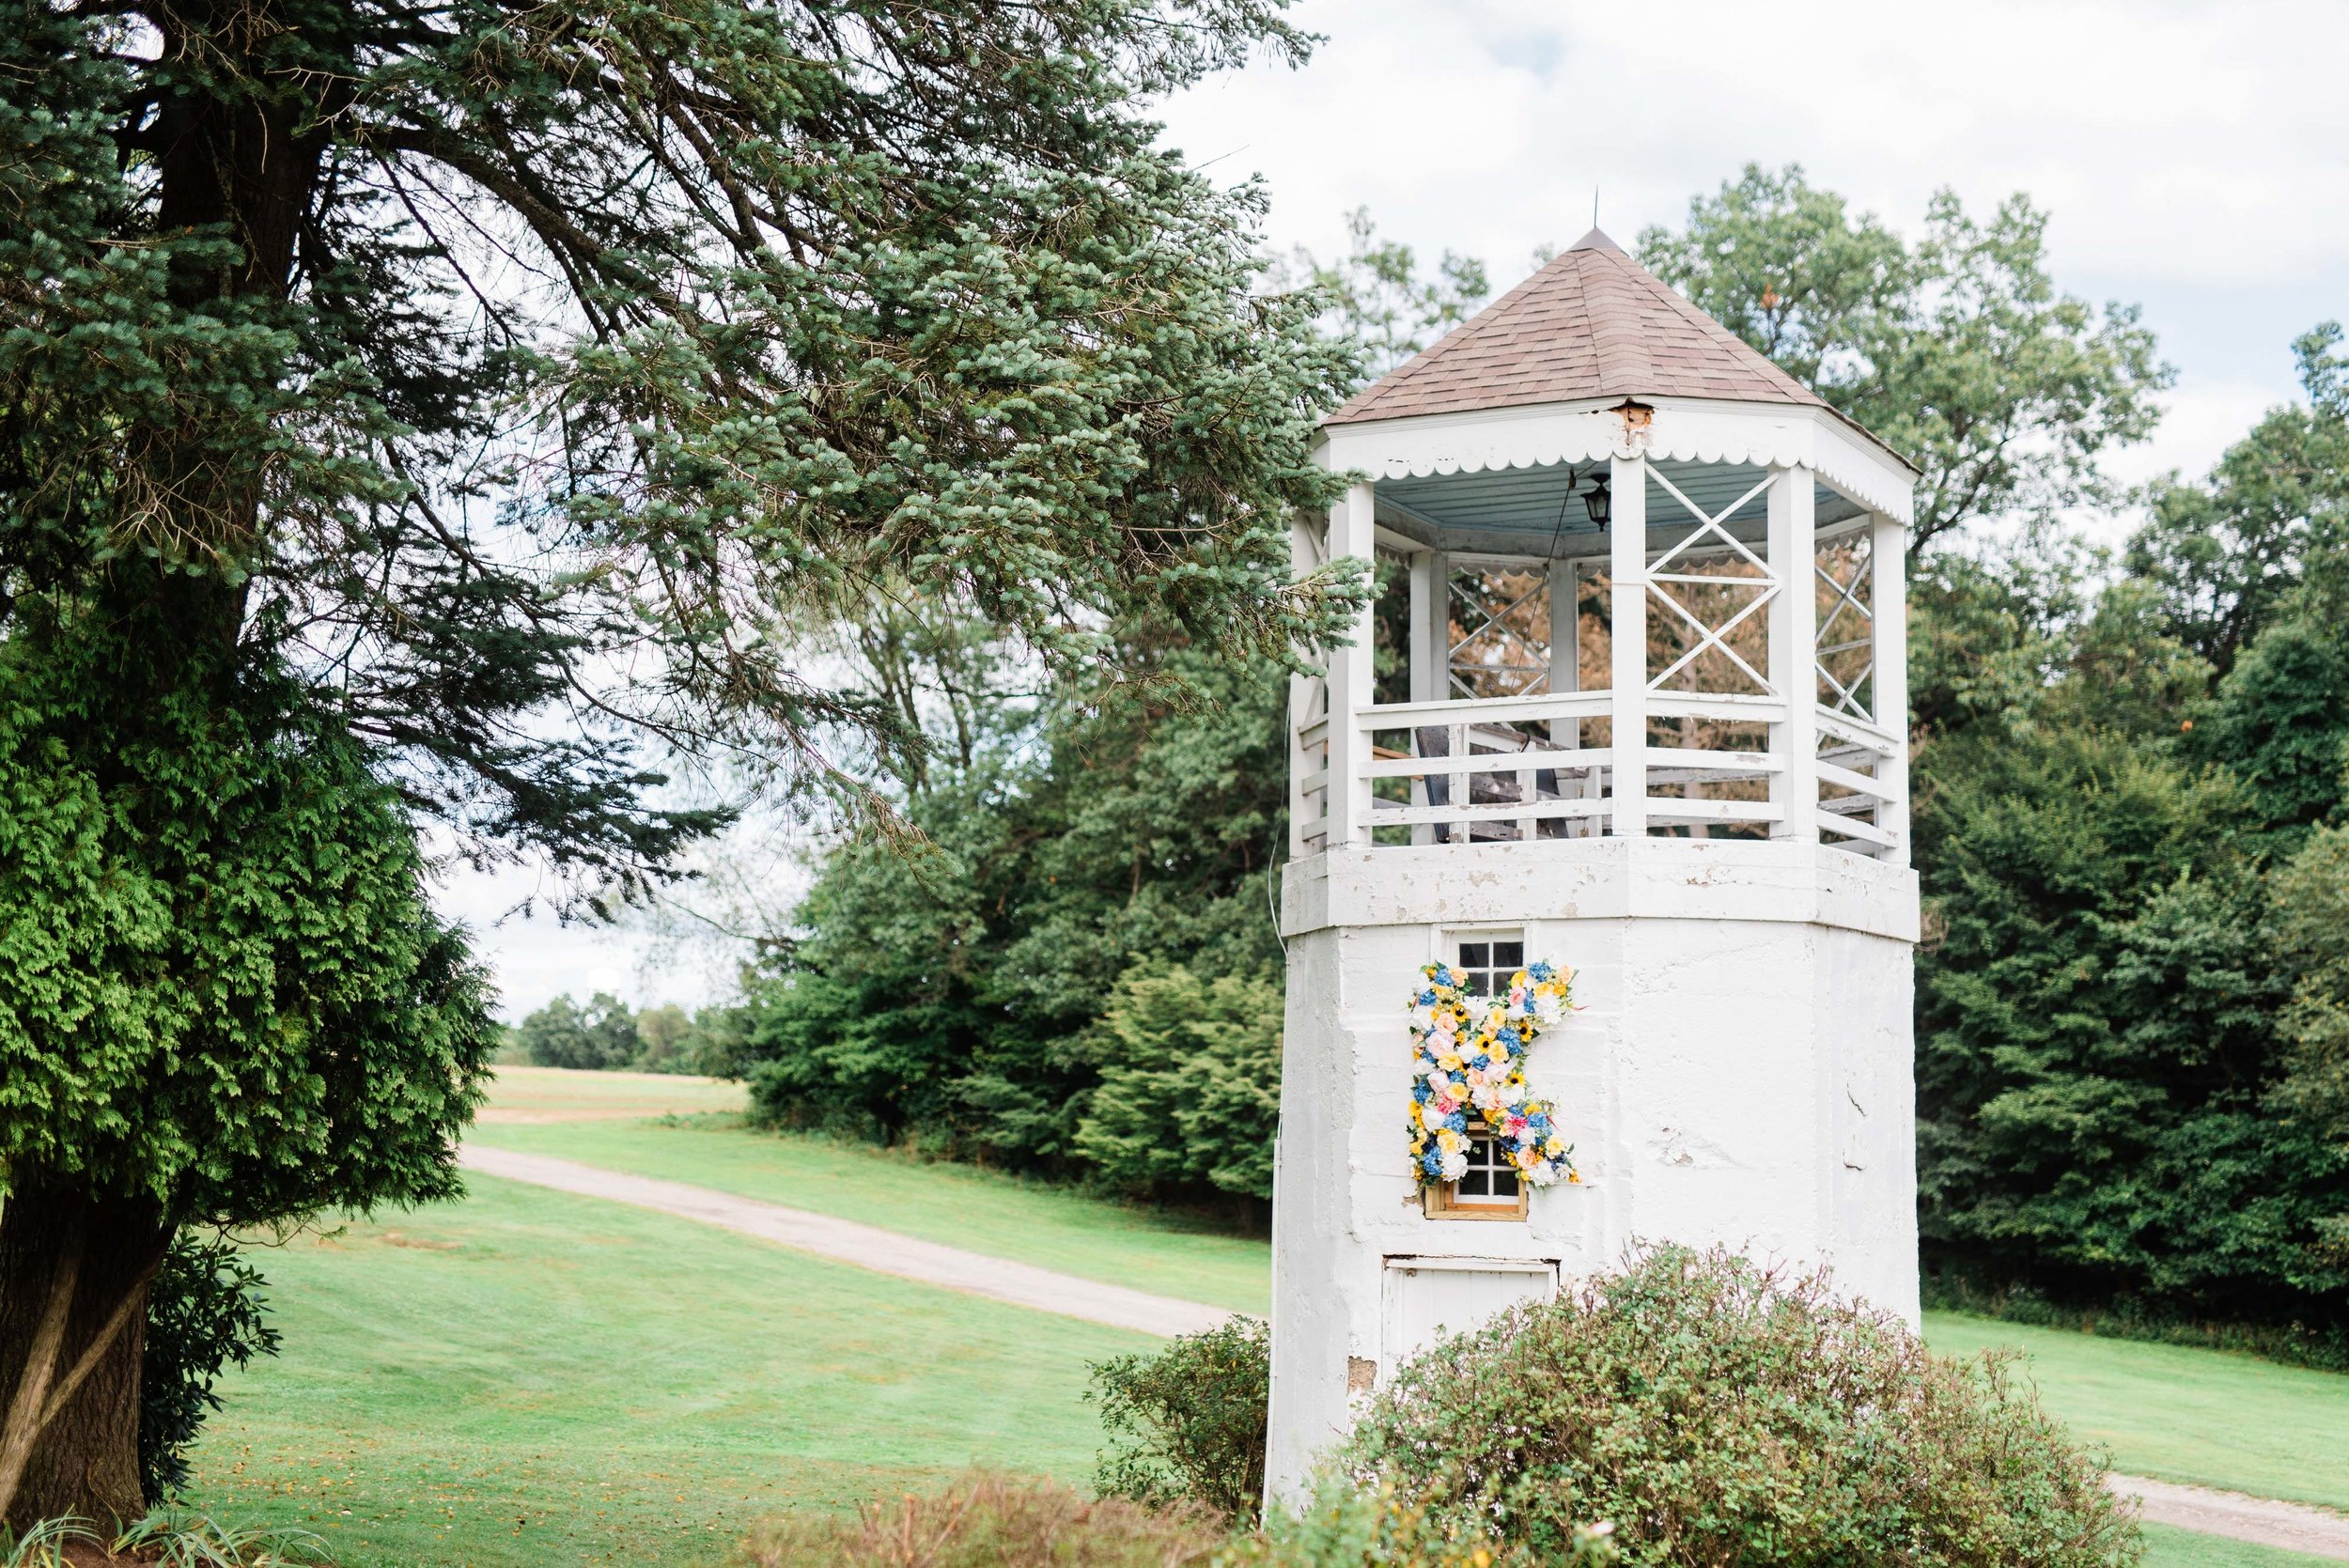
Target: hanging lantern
x=1597 y=501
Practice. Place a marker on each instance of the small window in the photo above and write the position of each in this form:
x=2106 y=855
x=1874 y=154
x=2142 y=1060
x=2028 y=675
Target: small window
x=1489 y=1177
x=1487 y=963
x=1489 y=1189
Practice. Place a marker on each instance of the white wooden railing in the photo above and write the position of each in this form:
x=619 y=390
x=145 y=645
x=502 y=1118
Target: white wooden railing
x=1516 y=769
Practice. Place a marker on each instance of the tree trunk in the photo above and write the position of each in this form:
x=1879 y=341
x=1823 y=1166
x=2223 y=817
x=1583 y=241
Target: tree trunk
x=74 y=1275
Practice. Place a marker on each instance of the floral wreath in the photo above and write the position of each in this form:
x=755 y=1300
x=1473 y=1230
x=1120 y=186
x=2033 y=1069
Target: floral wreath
x=1469 y=1054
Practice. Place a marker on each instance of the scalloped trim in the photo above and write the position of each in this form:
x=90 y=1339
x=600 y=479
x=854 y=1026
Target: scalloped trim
x=1416 y=448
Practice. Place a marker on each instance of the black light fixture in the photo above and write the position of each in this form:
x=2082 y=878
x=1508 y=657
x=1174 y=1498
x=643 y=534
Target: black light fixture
x=1597 y=503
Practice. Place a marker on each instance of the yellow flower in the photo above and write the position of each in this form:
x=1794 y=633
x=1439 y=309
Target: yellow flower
x=1448 y=1140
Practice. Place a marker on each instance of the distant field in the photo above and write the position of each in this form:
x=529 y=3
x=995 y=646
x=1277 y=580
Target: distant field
x=557 y=1094
x=983 y=1210
x=530 y=1378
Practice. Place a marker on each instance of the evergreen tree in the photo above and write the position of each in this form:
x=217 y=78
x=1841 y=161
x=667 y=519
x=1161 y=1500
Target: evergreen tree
x=437 y=372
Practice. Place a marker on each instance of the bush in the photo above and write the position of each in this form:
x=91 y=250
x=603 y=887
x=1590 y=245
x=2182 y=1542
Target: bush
x=1191 y=1083
x=204 y=1312
x=1715 y=1411
x=1349 y=1529
x=990 y=1521
x=1188 y=1424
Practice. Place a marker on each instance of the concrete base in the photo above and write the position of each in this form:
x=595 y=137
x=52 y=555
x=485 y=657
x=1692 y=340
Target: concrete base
x=1741 y=1072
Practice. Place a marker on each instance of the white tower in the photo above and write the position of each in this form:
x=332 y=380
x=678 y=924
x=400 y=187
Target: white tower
x=1636 y=704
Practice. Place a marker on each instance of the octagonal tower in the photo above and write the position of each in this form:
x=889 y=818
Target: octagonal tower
x=1634 y=703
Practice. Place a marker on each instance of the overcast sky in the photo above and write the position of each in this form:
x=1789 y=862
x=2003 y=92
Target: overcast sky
x=2195 y=159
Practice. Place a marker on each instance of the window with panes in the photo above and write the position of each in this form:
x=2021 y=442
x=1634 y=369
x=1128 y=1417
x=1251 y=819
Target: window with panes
x=1485 y=962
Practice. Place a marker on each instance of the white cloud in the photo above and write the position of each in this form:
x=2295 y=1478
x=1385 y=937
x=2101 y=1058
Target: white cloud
x=2194 y=142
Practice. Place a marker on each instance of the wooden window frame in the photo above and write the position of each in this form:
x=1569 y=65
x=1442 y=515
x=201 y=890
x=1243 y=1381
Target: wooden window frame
x=1442 y=1202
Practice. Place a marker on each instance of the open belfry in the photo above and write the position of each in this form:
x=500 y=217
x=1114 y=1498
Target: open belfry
x=1598 y=905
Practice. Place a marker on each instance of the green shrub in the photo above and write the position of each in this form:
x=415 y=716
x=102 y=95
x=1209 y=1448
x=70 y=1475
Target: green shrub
x=1347 y=1528
x=990 y=1521
x=203 y=1313
x=1188 y=1423
x=1715 y=1411
x=1191 y=1083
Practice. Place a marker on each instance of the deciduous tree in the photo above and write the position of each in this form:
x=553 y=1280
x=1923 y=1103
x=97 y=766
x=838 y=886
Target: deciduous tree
x=1956 y=350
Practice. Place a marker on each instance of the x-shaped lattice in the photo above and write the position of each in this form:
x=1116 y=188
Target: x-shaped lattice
x=1708 y=635
x=1847 y=597
x=1496 y=621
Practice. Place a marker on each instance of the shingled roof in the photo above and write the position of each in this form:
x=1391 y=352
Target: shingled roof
x=1594 y=323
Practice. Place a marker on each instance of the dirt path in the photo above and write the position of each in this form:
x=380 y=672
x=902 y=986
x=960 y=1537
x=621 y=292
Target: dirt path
x=865 y=1245
x=2262 y=1521
x=2292 y=1526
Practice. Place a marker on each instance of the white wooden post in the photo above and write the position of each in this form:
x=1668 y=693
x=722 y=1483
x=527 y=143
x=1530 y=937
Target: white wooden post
x=1887 y=552
x=1428 y=641
x=1351 y=533
x=1307 y=699
x=1626 y=563
x=1793 y=654
x=1426 y=631
x=1565 y=675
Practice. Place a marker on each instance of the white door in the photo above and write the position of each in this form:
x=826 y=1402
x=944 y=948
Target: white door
x=1429 y=1297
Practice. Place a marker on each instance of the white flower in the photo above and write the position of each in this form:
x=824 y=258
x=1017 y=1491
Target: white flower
x=1455 y=1167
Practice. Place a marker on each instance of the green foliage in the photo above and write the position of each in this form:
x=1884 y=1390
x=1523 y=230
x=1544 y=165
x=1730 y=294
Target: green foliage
x=205 y=1312
x=48 y=1543
x=1718 y=1412
x=1186 y=1423
x=2311 y=935
x=221 y=986
x=2099 y=1061
x=186 y=1540
x=564 y=1034
x=2280 y=725
x=1346 y=1526
x=1189 y=1083
x=666 y=1032
x=988 y=1521
x=943 y=996
x=1956 y=350
x=921 y=303
x=2267 y=535
x=1380 y=298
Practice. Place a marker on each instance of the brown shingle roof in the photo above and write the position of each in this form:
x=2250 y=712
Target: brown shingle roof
x=1594 y=323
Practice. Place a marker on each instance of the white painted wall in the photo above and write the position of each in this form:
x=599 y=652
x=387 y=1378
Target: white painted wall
x=1741 y=1073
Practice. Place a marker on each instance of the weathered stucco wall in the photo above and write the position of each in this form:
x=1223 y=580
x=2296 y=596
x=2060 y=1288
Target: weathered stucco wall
x=1740 y=1072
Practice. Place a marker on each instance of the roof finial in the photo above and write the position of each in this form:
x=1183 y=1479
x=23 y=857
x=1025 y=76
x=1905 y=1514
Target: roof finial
x=1595 y=203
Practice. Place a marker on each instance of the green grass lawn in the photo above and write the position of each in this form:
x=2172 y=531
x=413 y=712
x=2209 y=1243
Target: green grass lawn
x=2173 y=1413
x=2166 y=1548
x=535 y=1378
x=983 y=1210
x=532 y=1378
